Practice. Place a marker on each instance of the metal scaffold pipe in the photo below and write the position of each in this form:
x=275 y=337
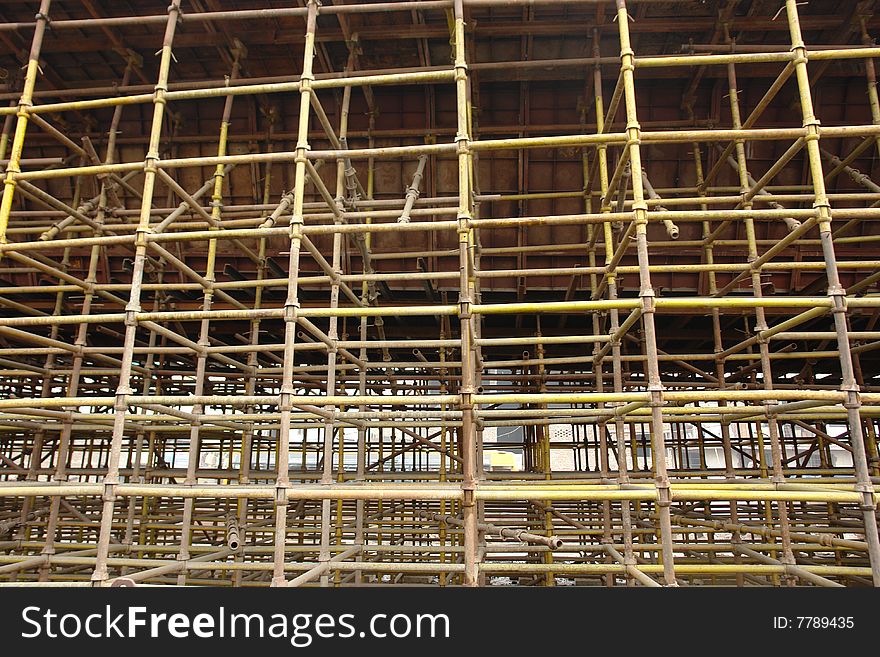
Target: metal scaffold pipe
x=359 y=297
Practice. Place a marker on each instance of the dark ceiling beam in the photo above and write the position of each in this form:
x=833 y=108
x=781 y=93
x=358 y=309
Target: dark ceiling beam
x=511 y=30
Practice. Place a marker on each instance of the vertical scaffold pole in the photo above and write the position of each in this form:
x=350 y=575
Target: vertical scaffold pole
x=465 y=240
x=836 y=293
x=291 y=305
x=646 y=295
x=24 y=103
x=111 y=479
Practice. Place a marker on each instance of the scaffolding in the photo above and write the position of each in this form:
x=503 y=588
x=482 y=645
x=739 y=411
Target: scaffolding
x=307 y=386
